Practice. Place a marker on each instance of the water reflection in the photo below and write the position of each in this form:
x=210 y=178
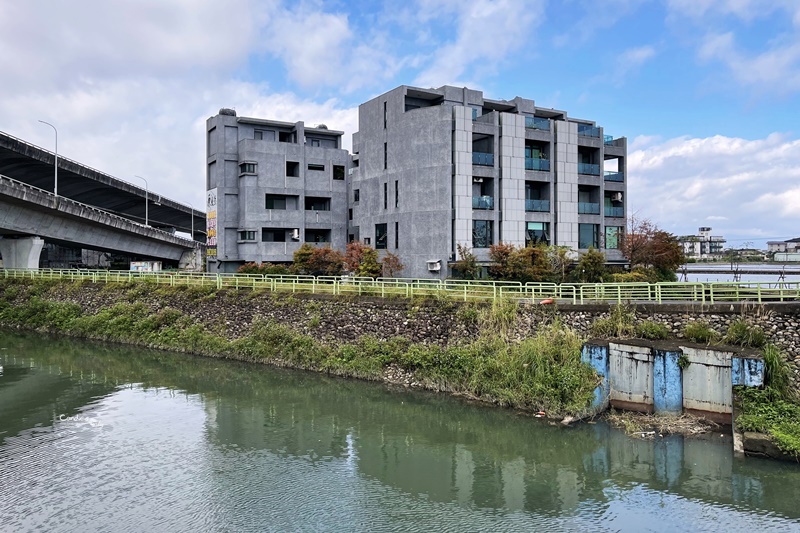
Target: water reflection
x=222 y=440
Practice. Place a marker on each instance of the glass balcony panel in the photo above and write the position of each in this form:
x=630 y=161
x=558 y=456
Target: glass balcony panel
x=483 y=159
x=608 y=140
x=588 y=208
x=482 y=202
x=589 y=168
x=613 y=175
x=586 y=130
x=539 y=206
x=532 y=163
x=537 y=123
x=614 y=212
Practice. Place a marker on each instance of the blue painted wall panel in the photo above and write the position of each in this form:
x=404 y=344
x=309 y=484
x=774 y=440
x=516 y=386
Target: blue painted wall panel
x=749 y=372
x=597 y=356
x=667 y=382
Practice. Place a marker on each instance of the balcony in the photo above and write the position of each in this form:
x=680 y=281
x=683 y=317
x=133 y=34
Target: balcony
x=589 y=168
x=614 y=212
x=532 y=163
x=608 y=140
x=613 y=175
x=588 y=208
x=483 y=159
x=538 y=206
x=585 y=130
x=536 y=123
x=482 y=202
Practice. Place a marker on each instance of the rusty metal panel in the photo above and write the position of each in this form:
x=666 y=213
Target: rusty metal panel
x=707 y=386
x=630 y=377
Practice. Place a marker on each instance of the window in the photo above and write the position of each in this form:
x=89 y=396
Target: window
x=613 y=234
x=366 y=241
x=396 y=193
x=385 y=156
x=385 y=195
x=338 y=172
x=380 y=236
x=293 y=169
x=384 y=115
x=314 y=142
x=316 y=167
x=350 y=214
x=482 y=233
x=587 y=236
x=356 y=195
x=247 y=235
x=318 y=235
x=275 y=201
x=397 y=235
x=536 y=233
x=258 y=135
x=314 y=203
x=273 y=235
x=287 y=137
x=247 y=168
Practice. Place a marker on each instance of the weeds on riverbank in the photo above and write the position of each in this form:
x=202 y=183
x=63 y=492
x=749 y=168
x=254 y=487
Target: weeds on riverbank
x=544 y=372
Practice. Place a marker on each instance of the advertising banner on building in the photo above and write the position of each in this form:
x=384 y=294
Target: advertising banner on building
x=211 y=225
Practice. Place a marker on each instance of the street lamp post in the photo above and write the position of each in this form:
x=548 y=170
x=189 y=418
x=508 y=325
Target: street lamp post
x=192 y=215
x=146 y=193
x=55 y=183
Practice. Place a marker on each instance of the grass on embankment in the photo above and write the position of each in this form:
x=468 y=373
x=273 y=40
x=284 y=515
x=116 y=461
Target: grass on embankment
x=775 y=409
x=543 y=372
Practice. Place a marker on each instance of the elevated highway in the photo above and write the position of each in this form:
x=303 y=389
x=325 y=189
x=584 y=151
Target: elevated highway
x=29 y=216
x=33 y=165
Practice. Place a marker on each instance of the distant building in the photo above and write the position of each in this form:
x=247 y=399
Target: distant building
x=703 y=245
x=790 y=246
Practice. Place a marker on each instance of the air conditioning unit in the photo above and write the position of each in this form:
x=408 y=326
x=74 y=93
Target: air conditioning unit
x=477 y=180
x=616 y=197
x=296 y=234
x=434 y=265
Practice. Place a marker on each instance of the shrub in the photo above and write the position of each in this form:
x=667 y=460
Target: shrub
x=742 y=333
x=619 y=323
x=700 y=332
x=652 y=330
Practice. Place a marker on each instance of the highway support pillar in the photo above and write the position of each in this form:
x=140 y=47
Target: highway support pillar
x=22 y=252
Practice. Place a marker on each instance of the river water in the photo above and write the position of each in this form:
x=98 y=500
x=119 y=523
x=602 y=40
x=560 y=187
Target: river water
x=96 y=437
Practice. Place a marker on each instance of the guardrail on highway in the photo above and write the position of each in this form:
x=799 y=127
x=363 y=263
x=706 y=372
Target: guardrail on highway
x=463 y=290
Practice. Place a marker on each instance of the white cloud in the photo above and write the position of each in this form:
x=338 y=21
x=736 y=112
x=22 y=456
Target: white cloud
x=629 y=61
x=488 y=32
x=598 y=16
x=748 y=187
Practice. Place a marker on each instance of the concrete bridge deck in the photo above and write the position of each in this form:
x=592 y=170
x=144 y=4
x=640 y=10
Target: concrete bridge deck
x=27 y=211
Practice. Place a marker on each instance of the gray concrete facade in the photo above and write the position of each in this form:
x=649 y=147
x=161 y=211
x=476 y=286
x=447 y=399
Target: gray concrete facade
x=431 y=170
x=438 y=168
x=277 y=185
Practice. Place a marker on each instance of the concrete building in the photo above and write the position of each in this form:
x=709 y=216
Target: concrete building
x=438 y=168
x=272 y=186
x=788 y=246
x=431 y=169
x=703 y=245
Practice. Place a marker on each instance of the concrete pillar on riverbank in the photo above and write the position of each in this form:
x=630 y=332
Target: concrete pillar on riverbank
x=667 y=382
x=21 y=253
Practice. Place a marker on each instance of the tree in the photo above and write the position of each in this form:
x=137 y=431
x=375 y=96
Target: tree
x=647 y=247
x=467 y=265
x=560 y=262
x=591 y=267
x=519 y=264
x=369 y=266
x=391 y=265
x=323 y=261
x=353 y=255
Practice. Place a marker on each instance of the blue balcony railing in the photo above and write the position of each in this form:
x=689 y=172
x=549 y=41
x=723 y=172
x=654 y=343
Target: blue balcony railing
x=589 y=168
x=585 y=130
x=614 y=212
x=608 y=140
x=537 y=123
x=532 y=163
x=482 y=202
x=539 y=206
x=588 y=208
x=613 y=175
x=484 y=159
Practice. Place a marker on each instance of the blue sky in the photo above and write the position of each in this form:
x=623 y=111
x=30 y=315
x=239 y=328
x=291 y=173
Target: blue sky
x=706 y=91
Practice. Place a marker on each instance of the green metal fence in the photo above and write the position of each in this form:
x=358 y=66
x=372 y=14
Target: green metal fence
x=463 y=290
